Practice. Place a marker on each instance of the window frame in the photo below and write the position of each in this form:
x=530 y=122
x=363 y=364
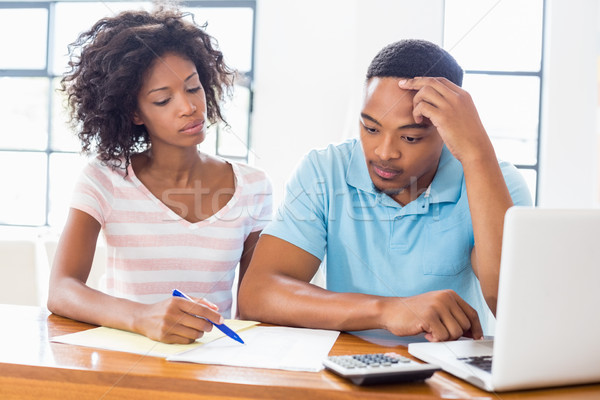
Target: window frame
x=540 y=75
x=50 y=75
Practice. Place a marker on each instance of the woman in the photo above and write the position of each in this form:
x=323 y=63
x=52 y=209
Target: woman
x=142 y=89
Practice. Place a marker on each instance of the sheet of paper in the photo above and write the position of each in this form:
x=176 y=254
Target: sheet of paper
x=294 y=349
x=388 y=339
x=116 y=339
x=385 y=338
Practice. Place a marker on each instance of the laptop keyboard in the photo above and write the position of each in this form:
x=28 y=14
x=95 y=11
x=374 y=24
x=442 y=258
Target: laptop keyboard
x=481 y=362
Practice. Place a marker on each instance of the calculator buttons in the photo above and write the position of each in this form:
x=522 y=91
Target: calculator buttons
x=364 y=369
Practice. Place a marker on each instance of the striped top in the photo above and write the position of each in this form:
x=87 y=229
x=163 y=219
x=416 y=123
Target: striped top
x=152 y=250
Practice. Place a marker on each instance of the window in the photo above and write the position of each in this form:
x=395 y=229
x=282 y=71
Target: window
x=499 y=44
x=38 y=152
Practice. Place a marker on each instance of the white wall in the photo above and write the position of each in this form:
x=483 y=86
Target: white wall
x=311 y=57
x=569 y=156
x=310 y=61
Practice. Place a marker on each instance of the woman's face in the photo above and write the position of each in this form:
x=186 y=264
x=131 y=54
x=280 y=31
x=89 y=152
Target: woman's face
x=172 y=103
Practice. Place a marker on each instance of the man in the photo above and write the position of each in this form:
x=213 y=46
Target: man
x=407 y=221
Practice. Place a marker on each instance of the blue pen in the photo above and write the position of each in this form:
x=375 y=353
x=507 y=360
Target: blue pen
x=222 y=327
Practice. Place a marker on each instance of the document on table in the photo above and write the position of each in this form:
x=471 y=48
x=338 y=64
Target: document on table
x=296 y=349
x=118 y=340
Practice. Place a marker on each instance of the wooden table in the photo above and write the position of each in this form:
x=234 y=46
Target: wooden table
x=31 y=367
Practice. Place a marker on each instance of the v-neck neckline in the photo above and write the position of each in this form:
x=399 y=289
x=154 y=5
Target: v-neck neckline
x=176 y=217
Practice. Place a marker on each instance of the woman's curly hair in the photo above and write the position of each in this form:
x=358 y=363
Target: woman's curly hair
x=106 y=76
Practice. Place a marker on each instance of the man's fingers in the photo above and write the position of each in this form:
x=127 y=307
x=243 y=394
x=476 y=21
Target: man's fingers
x=451 y=318
x=442 y=85
x=476 y=329
x=429 y=95
x=424 y=110
x=461 y=317
x=441 y=315
x=471 y=314
x=435 y=330
x=453 y=327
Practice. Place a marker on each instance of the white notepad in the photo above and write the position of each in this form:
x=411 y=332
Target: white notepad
x=296 y=349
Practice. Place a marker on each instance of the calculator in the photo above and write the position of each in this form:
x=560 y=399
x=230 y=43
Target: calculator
x=370 y=369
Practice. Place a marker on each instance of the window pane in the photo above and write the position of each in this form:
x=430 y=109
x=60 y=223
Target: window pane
x=63 y=138
x=23 y=33
x=233 y=140
x=64 y=171
x=508 y=107
x=24 y=113
x=236 y=44
x=73 y=18
x=531 y=179
x=494 y=35
x=23 y=200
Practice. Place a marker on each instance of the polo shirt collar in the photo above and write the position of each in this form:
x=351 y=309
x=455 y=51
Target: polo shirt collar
x=445 y=187
x=447 y=182
x=357 y=174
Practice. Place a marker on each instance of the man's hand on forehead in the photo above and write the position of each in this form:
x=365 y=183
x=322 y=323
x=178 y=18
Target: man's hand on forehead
x=434 y=92
x=451 y=110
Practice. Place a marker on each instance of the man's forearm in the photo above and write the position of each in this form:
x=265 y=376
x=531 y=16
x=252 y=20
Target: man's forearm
x=286 y=301
x=489 y=199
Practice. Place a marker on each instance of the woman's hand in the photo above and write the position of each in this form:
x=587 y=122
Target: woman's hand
x=177 y=320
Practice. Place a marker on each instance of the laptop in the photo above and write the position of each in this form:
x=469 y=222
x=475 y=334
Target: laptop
x=548 y=312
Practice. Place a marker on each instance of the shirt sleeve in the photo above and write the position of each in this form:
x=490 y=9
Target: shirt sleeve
x=93 y=193
x=517 y=187
x=301 y=217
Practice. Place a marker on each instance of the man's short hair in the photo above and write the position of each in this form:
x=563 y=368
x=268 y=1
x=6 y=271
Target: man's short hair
x=412 y=57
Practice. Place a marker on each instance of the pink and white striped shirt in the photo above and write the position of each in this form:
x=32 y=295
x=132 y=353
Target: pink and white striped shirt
x=152 y=250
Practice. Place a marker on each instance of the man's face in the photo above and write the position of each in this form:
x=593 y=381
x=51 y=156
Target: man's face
x=402 y=156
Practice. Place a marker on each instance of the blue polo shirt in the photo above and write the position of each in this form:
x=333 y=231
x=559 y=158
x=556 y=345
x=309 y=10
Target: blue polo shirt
x=371 y=244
